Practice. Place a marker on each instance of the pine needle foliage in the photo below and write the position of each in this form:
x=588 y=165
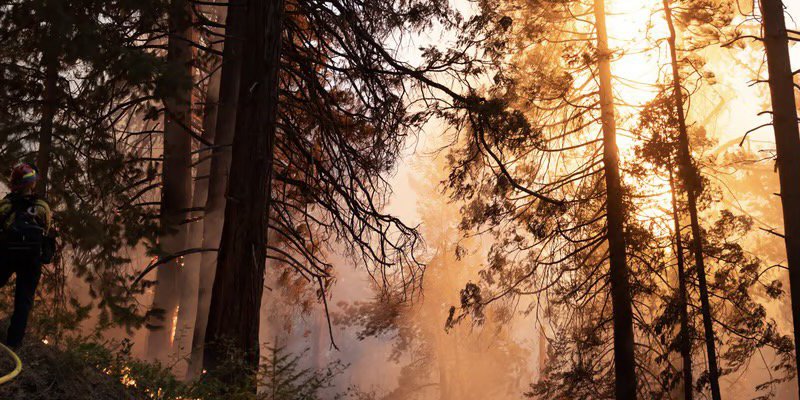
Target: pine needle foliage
x=285 y=378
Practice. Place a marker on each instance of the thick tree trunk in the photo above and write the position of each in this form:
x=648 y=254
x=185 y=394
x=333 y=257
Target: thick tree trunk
x=690 y=178
x=218 y=175
x=190 y=273
x=624 y=360
x=239 y=282
x=176 y=189
x=787 y=145
x=49 y=110
x=684 y=335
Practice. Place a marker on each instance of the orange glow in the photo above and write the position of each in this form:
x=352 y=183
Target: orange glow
x=174 y=325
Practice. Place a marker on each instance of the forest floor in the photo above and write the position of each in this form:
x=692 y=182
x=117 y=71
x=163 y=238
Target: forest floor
x=49 y=372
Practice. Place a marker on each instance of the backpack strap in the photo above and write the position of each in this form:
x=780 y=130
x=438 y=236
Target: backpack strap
x=9 y=212
x=18 y=203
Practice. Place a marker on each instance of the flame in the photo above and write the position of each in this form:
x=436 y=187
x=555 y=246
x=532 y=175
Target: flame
x=174 y=325
x=126 y=379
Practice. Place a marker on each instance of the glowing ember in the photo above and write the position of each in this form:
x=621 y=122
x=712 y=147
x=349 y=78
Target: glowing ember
x=126 y=379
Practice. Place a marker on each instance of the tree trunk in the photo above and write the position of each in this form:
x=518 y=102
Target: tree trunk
x=190 y=273
x=624 y=362
x=542 y=347
x=218 y=175
x=684 y=339
x=690 y=178
x=787 y=145
x=239 y=282
x=49 y=110
x=444 y=368
x=176 y=189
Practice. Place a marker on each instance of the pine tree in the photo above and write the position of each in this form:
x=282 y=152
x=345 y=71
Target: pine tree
x=49 y=99
x=337 y=140
x=787 y=144
x=75 y=75
x=218 y=176
x=561 y=185
x=284 y=379
x=192 y=275
x=239 y=281
x=692 y=185
x=624 y=363
x=742 y=328
x=176 y=174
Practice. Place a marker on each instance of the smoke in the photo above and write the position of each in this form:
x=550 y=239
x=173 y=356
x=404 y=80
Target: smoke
x=410 y=355
x=413 y=356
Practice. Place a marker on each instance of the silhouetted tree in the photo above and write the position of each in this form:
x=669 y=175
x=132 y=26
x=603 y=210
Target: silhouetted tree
x=569 y=200
x=341 y=126
x=76 y=78
x=787 y=143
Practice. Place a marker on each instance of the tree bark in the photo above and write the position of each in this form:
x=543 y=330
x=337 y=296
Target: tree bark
x=190 y=273
x=49 y=110
x=787 y=145
x=690 y=178
x=624 y=360
x=218 y=175
x=176 y=189
x=236 y=297
x=685 y=339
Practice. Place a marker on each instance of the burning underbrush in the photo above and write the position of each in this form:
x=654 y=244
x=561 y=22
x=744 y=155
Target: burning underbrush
x=85 y=369
x=76 y=370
